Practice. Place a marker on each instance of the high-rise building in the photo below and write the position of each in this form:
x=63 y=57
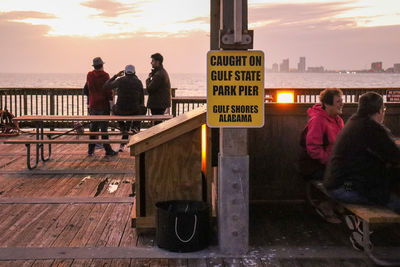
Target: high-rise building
x=301 y=66
x=316 y=69
x=275 y=67
x=396 y=67
x=376 y=67
x=284 y=67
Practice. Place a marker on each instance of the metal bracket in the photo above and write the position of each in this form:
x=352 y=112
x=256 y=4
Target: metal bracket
x=227 y=40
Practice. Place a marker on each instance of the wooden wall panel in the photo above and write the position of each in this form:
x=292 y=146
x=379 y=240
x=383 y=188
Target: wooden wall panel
x=173 y=171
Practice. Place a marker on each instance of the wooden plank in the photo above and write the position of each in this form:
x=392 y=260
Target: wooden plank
x=197 y=263
x=21 y=263
x=164 y=132
x=121 y=263
x=43 y=263
x=84 y=133
x=65 y=200
x=129 y=236
x=70 y=141
x=101 y=262
x=84 y=234
x=37 y=229
x=53 y=231
x=62 y=263
x=68 y=171
x=113 y=231
x=25 y=220
x=101 y=225
x=146 y=222
x=178 y=262
x=73 y=226
x=81 y=263
x=52 y=118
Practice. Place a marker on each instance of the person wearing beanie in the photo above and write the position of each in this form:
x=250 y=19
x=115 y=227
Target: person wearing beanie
x=130 y=98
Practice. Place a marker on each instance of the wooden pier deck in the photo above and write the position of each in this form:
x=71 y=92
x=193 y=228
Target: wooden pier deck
x=74 y=210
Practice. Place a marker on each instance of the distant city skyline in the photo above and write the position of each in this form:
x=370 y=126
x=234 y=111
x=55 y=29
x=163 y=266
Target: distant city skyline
x=64 y=36
x=284 y=66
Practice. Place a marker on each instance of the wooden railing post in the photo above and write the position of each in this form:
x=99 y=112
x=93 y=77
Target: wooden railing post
x=25 y=104
x=52 y=103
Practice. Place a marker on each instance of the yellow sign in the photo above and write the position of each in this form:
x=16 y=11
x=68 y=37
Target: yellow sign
x=235 y=89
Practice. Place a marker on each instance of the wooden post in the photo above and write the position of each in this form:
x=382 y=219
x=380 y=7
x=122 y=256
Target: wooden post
x=233 y=160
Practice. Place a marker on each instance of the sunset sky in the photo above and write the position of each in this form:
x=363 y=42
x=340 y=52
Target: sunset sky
x=64 y=36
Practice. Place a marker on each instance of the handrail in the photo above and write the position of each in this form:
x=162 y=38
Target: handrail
x=71 y=101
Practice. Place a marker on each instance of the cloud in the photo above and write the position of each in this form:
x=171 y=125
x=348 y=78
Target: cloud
x=277 y=17
x=22 y=15
x=110 y=8
x=203 y=20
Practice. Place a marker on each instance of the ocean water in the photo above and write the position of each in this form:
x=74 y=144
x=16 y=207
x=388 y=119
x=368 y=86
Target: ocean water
x=195 y=84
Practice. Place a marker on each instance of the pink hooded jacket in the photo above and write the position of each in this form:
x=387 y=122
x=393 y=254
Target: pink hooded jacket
x=321 y=124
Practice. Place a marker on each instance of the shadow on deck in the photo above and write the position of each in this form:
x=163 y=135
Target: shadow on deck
x=40 y=226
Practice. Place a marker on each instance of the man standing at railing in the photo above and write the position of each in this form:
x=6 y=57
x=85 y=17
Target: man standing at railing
x=99 y=102
x=158 y=87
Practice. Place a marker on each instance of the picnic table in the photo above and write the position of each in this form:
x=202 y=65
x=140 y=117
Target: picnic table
x=39 y=122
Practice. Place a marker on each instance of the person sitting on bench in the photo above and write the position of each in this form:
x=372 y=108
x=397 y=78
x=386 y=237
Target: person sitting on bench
x=317 y=141
x=365 y=162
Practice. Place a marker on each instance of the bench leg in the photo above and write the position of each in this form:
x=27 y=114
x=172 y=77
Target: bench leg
x=368 y=248
x=28 y=157
x=42 y=153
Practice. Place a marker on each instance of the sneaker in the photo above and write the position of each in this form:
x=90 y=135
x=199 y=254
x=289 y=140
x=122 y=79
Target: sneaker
x=357 y=240
x=325 y=210
x=354 y=224
x=111 y=153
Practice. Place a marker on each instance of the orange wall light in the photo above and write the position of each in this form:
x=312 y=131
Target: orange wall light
x=285 y=97
x=203 y=147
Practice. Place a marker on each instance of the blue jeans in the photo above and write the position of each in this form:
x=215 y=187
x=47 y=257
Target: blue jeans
x=350 y=196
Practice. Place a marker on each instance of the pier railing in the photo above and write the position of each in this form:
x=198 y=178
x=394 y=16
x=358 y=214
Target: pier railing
x=71 y=101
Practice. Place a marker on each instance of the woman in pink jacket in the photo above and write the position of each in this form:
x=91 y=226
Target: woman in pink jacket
x=323 y=127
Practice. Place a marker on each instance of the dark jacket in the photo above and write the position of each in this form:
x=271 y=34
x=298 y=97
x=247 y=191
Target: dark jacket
x=360 y=157
x=98 y=97
x=159 y=89
x=130 y=94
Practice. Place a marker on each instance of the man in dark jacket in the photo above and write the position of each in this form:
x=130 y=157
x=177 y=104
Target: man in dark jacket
x=130 y=99
x=99 y=102
x=358 y=170
x=158 y=87
x=364 y=165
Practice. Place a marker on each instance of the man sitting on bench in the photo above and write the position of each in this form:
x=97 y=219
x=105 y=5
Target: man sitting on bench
x=365 y=162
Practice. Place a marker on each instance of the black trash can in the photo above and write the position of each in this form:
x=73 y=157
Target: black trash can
x=182 y=225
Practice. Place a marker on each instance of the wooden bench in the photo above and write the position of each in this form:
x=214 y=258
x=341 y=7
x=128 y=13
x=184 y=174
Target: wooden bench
x=368 y=215
x=39 y=122
x=40 y=143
